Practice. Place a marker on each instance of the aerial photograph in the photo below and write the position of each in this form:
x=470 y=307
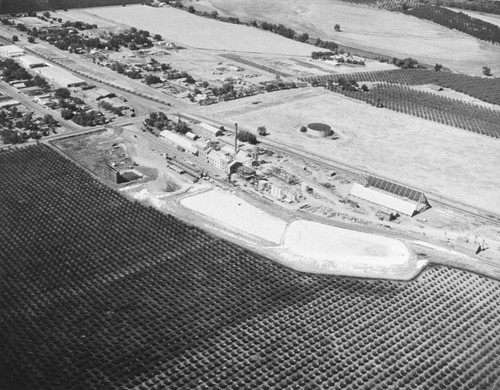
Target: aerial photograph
x=250 y=194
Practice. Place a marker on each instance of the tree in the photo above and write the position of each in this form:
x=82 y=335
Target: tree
x=181 y=127
x=62 y=93
x=262 y=130
x=190 y=79
x=438 y=67
x=246 y=136
x=31 y=40
x=46 y=14
x=15 y=38
x=364 y=87
x=191 y=9
x=337 y=27
x=303 y=37
x=486 y=71
x=157 y=37
x=152 y=79
x=303 y=129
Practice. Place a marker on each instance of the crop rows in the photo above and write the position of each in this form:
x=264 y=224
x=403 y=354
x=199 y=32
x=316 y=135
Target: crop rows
x=426 y=105
x=481 y=88
x=459 y=21
x=99 y=292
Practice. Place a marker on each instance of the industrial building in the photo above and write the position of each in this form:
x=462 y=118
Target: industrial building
x=30 y=62
x=11 y=51
x=61 y=77
x=220 y=159
x=179 y=141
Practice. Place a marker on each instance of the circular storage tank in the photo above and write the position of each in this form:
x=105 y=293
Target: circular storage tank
x=304 y=187
x=319 y=130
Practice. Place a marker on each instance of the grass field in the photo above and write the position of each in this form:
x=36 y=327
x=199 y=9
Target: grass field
x=99 y=292
x=423 y=154
x=372 y=29
x=197 y=32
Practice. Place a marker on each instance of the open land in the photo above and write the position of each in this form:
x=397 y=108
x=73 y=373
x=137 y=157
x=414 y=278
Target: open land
x=392 y=34
x=178 y=26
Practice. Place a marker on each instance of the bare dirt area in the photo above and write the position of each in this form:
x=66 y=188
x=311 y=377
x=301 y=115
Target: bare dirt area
x=409 y=150
x=393 y=33
x=202 y=33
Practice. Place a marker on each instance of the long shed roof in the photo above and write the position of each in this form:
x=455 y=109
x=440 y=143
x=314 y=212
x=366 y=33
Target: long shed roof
x=402 y=206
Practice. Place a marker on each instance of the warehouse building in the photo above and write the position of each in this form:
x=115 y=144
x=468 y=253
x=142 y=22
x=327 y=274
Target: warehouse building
x=30 y=62
x=214 y=131
x=11 y=51
x=61 y=77
x=179 y=141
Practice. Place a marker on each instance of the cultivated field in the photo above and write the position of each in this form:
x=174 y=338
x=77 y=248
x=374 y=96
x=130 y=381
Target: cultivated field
x=194 y=31
x=490 y=18
x=101 y=292
x=393 y=33
x=436 y=158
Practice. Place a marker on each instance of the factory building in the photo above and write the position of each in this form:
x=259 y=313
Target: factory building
x=220 y=160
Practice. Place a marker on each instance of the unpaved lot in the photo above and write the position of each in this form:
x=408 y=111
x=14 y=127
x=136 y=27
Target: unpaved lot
x=440 y=159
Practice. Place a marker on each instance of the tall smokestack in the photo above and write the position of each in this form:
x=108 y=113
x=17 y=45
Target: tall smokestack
x=236 y=139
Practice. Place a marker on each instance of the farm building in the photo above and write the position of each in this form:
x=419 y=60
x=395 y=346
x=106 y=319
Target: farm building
x=179 y=141
x=60 y=76
x=11 y=51
x=30 y=62
x=211 y=129
x=388 y=194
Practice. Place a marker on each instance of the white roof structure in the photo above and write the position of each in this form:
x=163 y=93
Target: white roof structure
x=60 y=76
x=11 y=51
x=30 y=62
x=212 y=129
x=392 y=202
x=178 y=140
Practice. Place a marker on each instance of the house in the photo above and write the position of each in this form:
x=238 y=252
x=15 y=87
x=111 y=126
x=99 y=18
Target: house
x=99 y=94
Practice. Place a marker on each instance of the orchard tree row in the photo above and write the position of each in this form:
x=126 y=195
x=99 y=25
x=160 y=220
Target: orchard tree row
x=101 y=292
